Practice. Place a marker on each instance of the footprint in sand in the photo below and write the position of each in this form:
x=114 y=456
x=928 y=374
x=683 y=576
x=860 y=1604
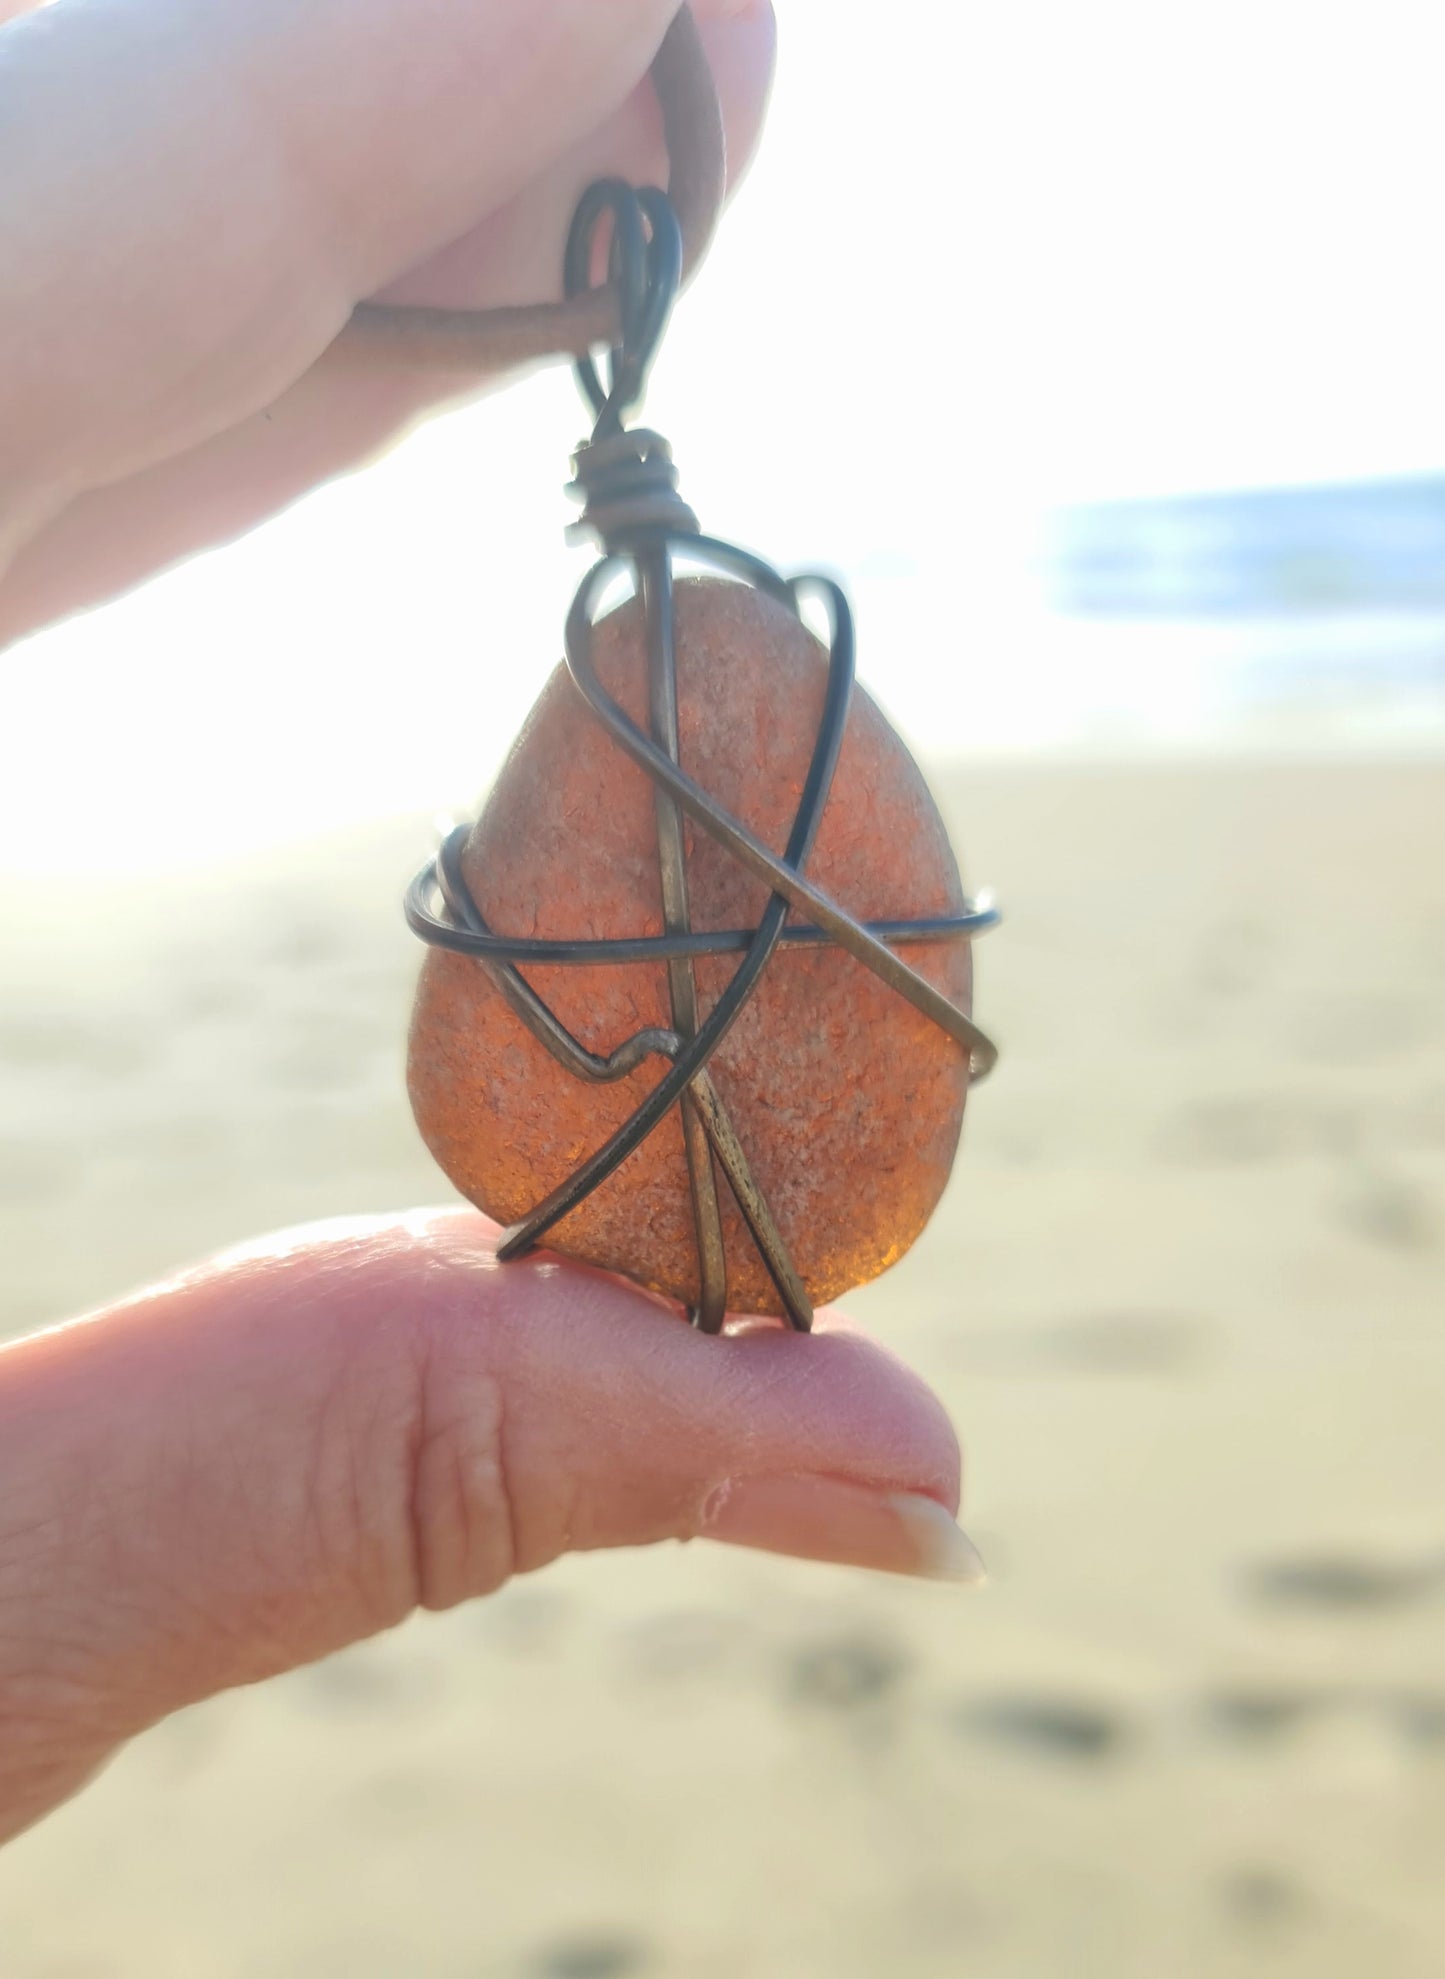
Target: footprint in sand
x=848 y=1672
x=1106 y=1343
x=65 y=1044
x=1344 y=1582
x=682 y=1644
x=1260 y=1714
x=605 y=1956
x=372 y=1681
x=1056 y=1727
x=1125 y=1343
x=1393 y=1213
x=1245 y=1128
x=1262 y=1900
x=1419 y=1717
x=1263 y=1714
x=524 y=1621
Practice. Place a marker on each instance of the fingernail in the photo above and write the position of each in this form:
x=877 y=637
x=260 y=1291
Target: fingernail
x=825 y=1518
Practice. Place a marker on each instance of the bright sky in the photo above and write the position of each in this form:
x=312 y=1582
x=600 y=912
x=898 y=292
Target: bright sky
x=991 y=260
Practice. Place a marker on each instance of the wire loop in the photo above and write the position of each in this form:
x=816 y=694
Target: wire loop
x=644 y=267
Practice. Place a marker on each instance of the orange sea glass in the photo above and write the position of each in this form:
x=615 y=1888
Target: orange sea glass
x=848 y=1101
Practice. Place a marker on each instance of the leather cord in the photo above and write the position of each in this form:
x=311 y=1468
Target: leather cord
x=490 y=340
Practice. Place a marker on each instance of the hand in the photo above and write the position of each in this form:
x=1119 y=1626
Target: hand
x=195 y=193
x=293 y=1447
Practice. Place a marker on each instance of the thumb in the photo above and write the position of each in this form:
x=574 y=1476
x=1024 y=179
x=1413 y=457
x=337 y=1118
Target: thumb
x=297 y=1445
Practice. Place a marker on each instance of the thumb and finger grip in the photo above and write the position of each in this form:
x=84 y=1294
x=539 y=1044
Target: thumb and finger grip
x=499 y=339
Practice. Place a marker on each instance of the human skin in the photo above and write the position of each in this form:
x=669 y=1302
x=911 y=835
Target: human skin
x=293 y=1446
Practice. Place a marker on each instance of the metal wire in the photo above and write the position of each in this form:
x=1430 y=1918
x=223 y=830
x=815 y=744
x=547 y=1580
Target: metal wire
x=628 y=485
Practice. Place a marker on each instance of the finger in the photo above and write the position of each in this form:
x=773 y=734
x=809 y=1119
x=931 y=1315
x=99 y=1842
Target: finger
x=514 y=255
x=355 y=401
x=108 y=540
x=295 y=1447
x=197 y=196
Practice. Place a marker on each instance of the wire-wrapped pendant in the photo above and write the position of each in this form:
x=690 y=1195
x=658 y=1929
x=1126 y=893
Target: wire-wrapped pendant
x=698 y=1006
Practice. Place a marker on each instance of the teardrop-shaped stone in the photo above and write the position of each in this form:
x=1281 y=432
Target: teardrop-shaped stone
x=847 y=1101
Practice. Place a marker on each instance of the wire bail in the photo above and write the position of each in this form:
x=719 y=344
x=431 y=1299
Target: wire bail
x=644 y=266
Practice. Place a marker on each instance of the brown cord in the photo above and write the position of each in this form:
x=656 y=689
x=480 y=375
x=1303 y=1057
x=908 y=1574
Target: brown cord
x=499 y=339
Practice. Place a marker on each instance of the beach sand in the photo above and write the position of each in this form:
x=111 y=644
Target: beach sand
x=1184 y=1298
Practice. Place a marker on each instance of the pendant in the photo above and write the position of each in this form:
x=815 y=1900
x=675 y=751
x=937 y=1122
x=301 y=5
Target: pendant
x=697 y=1003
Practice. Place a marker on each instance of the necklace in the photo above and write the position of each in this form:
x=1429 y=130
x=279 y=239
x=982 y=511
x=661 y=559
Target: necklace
x=697 y=1007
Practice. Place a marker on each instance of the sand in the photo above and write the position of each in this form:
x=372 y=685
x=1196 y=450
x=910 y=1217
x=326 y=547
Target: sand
x=1184 y=1296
